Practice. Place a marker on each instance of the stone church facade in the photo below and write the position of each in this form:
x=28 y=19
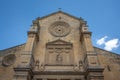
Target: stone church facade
x=58 y=47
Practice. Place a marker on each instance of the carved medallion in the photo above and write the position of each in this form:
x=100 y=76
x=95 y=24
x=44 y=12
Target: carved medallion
x=59 y=29
x=8 y=60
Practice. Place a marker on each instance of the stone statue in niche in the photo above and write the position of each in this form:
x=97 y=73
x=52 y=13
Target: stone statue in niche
x=37 y=64
x=42 y=66
x=79 y=66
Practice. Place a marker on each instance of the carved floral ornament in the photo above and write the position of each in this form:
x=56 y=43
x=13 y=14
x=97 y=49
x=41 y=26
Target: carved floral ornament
x=59 y=29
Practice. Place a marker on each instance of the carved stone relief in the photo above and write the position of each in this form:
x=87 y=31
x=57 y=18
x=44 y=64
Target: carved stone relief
x=9 y=60
x=38 y=66
x=59 y=29
x=59 y=58
x=59 y=54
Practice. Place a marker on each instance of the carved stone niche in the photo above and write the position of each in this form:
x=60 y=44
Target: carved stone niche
x=8 y=60
x=59 y=52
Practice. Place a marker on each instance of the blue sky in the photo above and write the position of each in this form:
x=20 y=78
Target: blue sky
x=102 y=16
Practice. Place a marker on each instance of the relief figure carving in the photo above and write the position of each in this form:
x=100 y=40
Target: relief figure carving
x=39 y=65
x=59 y=57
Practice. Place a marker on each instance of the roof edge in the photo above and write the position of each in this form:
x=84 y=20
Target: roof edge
x=107 y=51
x=60 y=12
x=13 y=47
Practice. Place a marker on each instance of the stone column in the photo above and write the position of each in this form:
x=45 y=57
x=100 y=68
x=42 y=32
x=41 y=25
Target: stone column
x=91 y=63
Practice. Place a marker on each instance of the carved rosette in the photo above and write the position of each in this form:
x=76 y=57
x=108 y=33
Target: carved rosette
x=59 y=29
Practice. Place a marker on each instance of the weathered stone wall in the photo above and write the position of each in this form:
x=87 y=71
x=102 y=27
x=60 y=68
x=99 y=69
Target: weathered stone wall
x=111 y=62
x=6 y=69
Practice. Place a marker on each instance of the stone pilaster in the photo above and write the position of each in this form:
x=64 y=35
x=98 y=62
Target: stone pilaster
x=93 y=73
x=92 y=67
x=24 y=70
x=23 y=74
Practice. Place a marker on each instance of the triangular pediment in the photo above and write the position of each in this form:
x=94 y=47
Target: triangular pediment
x=64 y=13
x=59 y=41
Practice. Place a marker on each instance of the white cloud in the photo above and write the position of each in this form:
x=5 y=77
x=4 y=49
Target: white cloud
x=102 y=40
x=112 y=44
